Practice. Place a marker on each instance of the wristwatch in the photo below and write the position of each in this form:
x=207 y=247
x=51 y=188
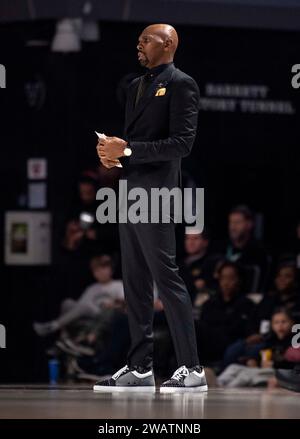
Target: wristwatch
x=127 y=152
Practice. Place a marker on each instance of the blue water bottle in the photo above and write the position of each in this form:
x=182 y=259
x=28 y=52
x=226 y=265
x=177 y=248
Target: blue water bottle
x=53 y=366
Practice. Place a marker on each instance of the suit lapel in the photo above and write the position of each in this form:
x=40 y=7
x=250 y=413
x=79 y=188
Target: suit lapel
x=160 y=81
x=131 y=99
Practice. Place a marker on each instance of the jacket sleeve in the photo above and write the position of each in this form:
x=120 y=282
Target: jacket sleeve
x=184 y=108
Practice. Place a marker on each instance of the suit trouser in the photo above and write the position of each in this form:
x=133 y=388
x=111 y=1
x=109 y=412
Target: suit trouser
x=149 y=253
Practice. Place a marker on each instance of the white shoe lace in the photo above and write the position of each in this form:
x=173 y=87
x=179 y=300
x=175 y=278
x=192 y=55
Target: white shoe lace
x=116 y=375
x=180 y=373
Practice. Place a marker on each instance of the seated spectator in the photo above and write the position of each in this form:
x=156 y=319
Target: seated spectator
x=82 y=232
x=224 y=317
x=274 y=353
x=244 y=249
x=197 y=267
x=83 y=237
x=106 y=293
x=112 y=352
x=285 y=294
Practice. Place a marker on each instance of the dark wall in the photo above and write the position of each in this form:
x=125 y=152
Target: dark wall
x=257 y=14
x=237 y=157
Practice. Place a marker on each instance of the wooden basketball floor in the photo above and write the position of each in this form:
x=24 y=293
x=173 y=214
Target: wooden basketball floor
x=72 y=402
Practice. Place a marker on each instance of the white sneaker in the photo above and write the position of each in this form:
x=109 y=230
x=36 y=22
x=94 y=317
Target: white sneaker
x=134 y=379
x=186 y=380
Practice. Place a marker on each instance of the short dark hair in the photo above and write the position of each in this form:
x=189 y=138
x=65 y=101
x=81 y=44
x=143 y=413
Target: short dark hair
x=230 y=264
x=288 y=263
x=206 y=234
x=243 y=210
x=101 y=261
x=283 y=310
x=85 y=179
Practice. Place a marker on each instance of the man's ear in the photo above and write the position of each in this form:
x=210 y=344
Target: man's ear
x=168 y=43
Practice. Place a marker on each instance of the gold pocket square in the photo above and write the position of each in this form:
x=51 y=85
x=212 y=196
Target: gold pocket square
x=161 y=91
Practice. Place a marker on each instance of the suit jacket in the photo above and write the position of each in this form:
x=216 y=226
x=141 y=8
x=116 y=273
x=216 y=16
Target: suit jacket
x=160 y=130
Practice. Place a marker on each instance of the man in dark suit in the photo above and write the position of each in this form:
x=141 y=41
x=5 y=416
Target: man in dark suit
x=160 y=127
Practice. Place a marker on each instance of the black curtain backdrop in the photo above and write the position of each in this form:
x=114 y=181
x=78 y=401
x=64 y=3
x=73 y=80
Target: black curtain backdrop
x=237 y=157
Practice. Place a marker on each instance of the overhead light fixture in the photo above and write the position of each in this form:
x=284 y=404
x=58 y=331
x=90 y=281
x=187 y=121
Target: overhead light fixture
x=67 y=36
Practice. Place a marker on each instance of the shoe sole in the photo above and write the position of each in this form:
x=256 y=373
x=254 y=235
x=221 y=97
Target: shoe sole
x=109 y=389
x=183 y=389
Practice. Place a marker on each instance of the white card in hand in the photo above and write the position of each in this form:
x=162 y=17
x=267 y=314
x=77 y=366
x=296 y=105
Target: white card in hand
x=103 y=136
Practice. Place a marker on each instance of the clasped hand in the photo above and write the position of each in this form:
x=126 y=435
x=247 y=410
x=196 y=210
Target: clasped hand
x=110 y=150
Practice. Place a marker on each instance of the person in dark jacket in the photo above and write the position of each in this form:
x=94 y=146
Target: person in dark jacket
x=284 y=295
x=198 y=265
x=161 y=117
x=259 y=369
x=224 y=317
x=243 y=248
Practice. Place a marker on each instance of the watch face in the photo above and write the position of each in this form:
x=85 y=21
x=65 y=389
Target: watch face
x=127 y=151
